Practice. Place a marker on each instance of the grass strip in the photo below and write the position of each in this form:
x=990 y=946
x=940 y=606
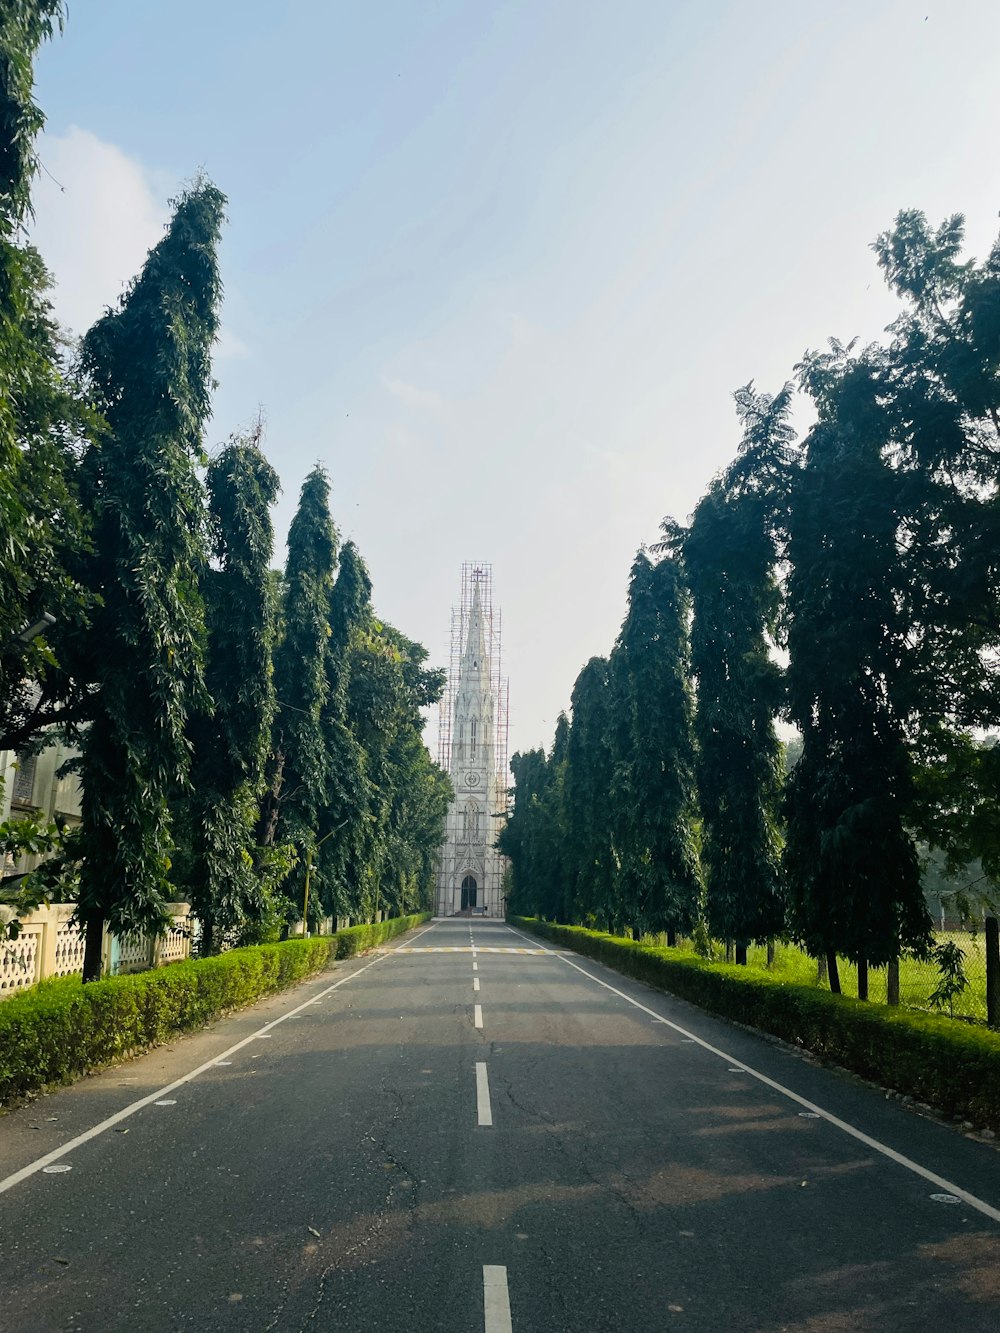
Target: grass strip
x=951 y=1066
x=60 y=1029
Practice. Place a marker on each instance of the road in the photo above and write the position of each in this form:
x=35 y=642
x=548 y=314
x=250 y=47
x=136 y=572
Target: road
x=471 y=1131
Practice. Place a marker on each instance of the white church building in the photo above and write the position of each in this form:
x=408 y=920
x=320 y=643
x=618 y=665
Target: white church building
x=472 y=748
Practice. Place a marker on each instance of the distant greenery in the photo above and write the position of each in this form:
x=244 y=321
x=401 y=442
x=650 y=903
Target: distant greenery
x=846 y=583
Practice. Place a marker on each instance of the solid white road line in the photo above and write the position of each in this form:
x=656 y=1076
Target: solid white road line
x=533 y=942
x=42 y=1162
x=483 y=1109
x=946 y=1185
x=477 y=1015
x=496 y=1301
x=475 y=983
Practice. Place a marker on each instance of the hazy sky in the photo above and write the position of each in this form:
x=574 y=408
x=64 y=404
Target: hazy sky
x=500 y=265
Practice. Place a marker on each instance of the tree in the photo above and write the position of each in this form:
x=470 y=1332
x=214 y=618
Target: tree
x=43 y=422
x=590 y=858
x=652 y=790
x=419 y=791
x=344 y=819
x=729 y=556
x=522 y=838
x=852 y=867
x=942 y=395
x=148 y=366
x=230 y=735
x=388 y=685
x=298 y=760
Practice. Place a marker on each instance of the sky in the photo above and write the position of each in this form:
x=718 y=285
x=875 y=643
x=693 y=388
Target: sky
x=499 y=266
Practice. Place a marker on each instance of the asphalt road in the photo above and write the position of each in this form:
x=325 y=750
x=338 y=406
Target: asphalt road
x=471 y=1131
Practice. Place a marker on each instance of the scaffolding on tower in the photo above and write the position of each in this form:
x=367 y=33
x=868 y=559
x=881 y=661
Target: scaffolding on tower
x=477 y=573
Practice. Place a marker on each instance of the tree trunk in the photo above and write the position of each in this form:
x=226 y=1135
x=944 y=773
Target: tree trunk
x=207 y=938
x=993 y=971
x=892 y=982
x=671 y=938
x=862 y=978
x=729 y=951
x=93 y=946
x=270 y=804
x=832 y=972
x=770 y=953
x=636 y=934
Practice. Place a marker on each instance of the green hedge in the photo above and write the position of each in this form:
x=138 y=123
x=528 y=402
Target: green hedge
x=356 y=939
x=61 y=1029
x=951 y=1066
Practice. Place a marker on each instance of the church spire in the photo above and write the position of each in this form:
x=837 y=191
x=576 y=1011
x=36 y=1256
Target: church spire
x=474 y=658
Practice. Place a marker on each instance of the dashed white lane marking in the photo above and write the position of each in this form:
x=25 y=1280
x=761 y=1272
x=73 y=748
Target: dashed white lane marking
x=483 y=1109
x=477 y=1015
x=475 y=966
x=473 y=949
x=475 y=983
x=496 y=1300
x=980 y=1205
x=42 y=1163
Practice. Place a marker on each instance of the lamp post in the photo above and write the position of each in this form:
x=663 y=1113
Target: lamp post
x=309 y=861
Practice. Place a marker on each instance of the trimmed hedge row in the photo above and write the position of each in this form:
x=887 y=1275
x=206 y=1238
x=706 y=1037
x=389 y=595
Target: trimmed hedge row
x=61 y=1029
x=356 y=939
x=951 y=1066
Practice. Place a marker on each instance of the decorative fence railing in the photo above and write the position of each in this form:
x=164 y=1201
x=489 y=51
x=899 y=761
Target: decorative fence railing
x=49 y=946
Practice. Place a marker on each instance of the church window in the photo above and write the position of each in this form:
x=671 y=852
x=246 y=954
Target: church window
x=461 y=740
x=472 y=739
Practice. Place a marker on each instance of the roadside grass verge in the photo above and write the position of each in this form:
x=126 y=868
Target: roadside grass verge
x=61 y=1029
x=952 y=1067
x=917 y=977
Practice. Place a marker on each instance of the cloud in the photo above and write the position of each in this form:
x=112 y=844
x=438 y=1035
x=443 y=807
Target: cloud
x=412 y=396
x=97 y=213
x=229 y=347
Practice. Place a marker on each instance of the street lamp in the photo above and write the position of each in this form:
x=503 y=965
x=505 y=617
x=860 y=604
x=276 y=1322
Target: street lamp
x=24 y=636
x=39 y=627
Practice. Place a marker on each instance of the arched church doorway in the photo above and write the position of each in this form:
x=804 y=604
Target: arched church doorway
x=470 y=890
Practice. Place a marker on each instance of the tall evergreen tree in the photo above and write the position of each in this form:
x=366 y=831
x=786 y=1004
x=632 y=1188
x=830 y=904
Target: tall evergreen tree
x=524 y=836
x=729 y=556
x=419 y=793
x=298 y=751
x=852 y=868
x=344 y=819
x=149 y=367
x=653 y=796
x=230 y=736
x=590 y=857
x=941 y=391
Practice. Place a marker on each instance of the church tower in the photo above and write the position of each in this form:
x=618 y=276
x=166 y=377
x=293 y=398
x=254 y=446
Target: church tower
x=472 y=744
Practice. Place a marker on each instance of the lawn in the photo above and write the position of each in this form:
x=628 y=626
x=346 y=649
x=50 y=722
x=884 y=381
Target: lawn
x=917 y=979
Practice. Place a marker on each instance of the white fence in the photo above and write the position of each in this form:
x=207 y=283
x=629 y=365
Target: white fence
x=48 y=946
